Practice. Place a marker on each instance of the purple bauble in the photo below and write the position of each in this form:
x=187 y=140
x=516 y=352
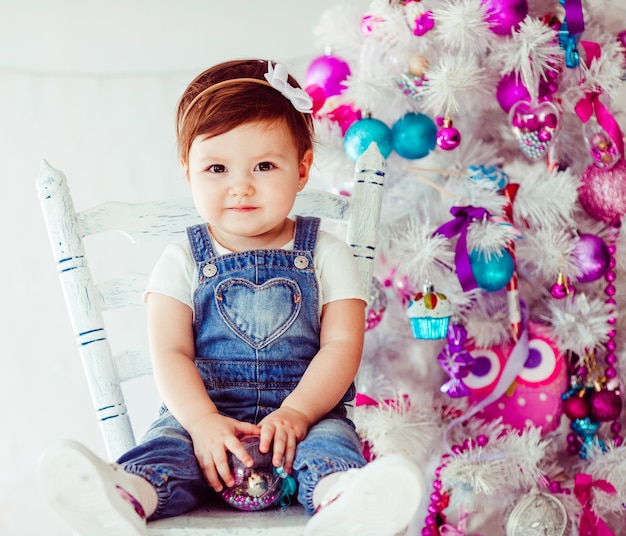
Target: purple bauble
x=504 y=16
x=592 y=257
x=328 y=72
x=605 y=405
x=511 y=90
x=602 y=192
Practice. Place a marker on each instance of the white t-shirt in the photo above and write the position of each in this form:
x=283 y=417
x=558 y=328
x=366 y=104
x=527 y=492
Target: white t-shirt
x=176 y=275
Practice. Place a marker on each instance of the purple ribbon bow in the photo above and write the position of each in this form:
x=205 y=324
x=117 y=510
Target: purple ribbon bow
x=463 y=217
x=456 y=361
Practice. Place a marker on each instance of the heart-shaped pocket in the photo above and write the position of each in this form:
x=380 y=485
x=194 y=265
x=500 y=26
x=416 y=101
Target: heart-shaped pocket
x=258 y=314
x=535 y=126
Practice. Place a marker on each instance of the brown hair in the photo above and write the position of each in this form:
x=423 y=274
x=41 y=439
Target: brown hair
x=203 y=112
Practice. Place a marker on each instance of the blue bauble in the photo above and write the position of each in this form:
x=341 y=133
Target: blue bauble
x=414 y=136
x=362 y=133
x=494 y=272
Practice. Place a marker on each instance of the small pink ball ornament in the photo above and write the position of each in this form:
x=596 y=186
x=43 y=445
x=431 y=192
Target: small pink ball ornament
x=602 y=192
x=576 y=407
x=511 y=90
x=448 y=137
x=504 y=16
x=328 y=72
x=592 y=256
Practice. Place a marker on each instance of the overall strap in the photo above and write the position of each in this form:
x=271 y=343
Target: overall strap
x=200 y=242
x=307 y=228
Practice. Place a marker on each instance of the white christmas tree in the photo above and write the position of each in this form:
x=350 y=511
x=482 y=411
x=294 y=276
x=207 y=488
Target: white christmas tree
x=495 y=345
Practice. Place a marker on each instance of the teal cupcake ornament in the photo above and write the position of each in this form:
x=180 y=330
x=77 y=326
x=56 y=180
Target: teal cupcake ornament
x=429 y=313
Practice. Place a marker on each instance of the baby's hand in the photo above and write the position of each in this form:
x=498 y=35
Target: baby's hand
x=285 y=426
x=215 y=435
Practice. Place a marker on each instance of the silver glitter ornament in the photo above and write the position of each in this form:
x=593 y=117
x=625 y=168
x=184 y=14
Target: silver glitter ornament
x=537 y=514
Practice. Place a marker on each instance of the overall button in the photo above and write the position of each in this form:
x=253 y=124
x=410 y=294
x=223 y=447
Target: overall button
x=301 y=262
x=209 y=270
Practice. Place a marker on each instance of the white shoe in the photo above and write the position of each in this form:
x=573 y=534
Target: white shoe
x=379 y=499
x=85 y=492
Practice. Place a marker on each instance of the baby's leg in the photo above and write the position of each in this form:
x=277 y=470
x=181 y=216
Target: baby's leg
x=160 y=477
x=378 y=498
x=165 y=457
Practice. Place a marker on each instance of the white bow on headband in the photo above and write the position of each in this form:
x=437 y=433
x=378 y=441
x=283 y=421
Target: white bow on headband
x=277 y=77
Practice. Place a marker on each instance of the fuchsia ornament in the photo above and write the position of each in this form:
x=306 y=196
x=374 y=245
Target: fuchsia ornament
x=448 y=137
x=510 y=90
x=423 y=24
x=504 y=16
x=328 y=72
x=535 y=127
x=592 y=256
x=602 y=192
x=534 y=398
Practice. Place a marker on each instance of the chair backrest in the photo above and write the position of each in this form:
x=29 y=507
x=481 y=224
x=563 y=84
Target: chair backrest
x=164 y=222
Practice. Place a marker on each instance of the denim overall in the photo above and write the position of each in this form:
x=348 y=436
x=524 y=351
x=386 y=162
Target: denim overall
x=256 y=328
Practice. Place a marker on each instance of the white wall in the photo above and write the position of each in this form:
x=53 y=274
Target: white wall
x=92 y=88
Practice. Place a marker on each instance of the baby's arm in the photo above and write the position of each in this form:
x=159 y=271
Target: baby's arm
x=324 y=383
x=170 y=332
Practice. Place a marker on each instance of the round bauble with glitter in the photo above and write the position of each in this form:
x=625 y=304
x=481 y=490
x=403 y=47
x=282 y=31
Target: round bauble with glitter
x=511 y=90
x=491 y=272
x=605 y=405
x=362 y=133
x=602 y=192
x=328 y=72
x=257 y=487
x=537 y=514
x=504 y=16
x=592 y=256
x=414 y=135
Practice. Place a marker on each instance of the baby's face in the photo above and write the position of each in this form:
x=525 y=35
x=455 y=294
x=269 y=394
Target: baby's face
x=244 y=183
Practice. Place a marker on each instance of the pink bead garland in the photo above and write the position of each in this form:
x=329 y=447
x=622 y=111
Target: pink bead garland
x=439 y=498
x=611 y=345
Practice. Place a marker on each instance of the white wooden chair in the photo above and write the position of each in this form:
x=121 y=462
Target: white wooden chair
x=166 y=222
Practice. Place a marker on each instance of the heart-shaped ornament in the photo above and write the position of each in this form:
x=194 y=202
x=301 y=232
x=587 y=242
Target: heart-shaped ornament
x=535 y=126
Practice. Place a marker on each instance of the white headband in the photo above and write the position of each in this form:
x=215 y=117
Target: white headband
x=276 y=78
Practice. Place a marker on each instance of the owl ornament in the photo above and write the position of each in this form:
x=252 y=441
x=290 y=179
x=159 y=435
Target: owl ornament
x=534 y=397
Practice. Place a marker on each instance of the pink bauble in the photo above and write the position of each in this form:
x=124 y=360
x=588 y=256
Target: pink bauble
x=510 y=90
x=328 y=72
x=318 y=96
x=605 y=405
x=344 y=115
x=602 y=192
x=575 y=407
x=448 y=138
x=592 y=256
x=504 y=16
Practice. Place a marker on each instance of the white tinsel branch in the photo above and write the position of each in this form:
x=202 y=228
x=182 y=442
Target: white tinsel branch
x=531 y=52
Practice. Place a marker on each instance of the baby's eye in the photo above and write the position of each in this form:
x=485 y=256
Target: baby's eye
x=216 y=168
x=264 y=166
